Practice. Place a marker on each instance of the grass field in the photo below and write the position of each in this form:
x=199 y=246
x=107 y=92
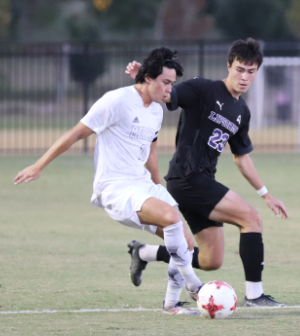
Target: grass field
x=57 y=252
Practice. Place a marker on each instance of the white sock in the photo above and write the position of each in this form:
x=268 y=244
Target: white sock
x=253 y=290
x=178 y=249
x=175 y=285
x=148 y=252
x=172 y=296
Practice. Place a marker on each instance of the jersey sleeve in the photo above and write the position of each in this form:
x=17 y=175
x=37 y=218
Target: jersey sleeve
x=186 y=94
x=155 y=138
x=103 y=114
x=240 y=143
x=159 y=122
x=157 y=131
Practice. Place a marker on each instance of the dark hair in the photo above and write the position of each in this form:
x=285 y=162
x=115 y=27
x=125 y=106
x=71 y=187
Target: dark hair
x=153 y=64
x=247 y=52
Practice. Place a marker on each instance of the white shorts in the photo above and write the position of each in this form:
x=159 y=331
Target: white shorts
x=123 y=204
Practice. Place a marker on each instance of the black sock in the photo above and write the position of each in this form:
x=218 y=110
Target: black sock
x=195 y=261
x=252 y=255
x=163 y=255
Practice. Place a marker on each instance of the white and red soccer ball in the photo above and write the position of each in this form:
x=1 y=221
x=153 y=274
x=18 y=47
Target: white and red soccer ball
x=216 y=300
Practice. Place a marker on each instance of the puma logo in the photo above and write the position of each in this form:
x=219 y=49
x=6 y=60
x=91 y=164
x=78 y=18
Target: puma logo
x=220 y=105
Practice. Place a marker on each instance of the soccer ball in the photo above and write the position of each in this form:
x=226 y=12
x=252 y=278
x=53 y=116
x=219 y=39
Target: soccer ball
x=216 y=299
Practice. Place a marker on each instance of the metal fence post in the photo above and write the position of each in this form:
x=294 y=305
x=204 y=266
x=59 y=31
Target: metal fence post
x=85 y=89
x=201 y=59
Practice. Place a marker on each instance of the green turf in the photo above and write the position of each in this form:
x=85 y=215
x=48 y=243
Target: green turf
x=58 y=252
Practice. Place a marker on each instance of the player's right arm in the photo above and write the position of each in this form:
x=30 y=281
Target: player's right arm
x=80 y=131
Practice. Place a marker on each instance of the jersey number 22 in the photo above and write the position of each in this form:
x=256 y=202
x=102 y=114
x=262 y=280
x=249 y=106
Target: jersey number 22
x=218 y=140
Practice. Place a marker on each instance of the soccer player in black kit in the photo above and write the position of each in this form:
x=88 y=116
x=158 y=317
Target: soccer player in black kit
x=214 y=113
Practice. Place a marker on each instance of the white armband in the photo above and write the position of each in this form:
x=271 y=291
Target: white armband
x=262 y=191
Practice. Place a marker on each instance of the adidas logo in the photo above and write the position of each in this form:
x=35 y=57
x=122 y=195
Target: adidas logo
x=136 y=120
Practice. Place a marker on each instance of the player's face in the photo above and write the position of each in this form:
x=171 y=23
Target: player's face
x=241 y=76
x=161 y=87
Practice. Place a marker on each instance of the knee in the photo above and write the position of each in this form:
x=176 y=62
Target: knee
x=170 y=216
x=258 y=219
x=190 y=242
x=253 y=222
x=211 y=264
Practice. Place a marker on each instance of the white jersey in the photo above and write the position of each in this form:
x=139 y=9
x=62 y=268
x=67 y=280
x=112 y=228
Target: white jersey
x=125 y=130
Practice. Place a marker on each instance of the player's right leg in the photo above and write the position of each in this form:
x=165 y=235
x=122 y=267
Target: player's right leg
x=156 y=212
x=176 y=282
x=142 y=253
x=147 y=207
x=211 y=248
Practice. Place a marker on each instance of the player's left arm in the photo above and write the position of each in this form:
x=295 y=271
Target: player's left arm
x=152 y=164
x=248 y=170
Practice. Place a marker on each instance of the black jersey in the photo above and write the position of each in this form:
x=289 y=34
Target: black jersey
x=211 y=117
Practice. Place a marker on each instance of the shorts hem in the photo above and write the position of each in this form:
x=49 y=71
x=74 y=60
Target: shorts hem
x=217 y=203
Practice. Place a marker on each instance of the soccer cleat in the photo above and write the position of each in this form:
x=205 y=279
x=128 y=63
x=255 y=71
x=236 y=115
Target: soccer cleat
x=262 y=301
x=137 y=264
x=194 y=295
x=179 y=309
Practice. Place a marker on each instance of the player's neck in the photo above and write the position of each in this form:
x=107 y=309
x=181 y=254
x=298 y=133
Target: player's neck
x=229 y=87
x=142 y=90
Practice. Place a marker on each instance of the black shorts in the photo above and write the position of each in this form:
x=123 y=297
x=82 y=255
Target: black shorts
x=197 y=195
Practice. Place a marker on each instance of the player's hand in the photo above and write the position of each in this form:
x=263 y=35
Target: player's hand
x=167 y=99
x=276 y=206
x=132 y=69
x=28 y=174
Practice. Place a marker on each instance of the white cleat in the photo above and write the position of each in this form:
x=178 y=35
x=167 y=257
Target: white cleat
x=179 y=309
x=194 y=295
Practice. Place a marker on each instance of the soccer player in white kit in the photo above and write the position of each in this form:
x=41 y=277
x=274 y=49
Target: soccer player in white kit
x=127 y=122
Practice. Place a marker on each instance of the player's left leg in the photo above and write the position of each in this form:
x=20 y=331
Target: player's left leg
x=209 y=257
x=149 y=253
x=141 y=254
x=233 y=209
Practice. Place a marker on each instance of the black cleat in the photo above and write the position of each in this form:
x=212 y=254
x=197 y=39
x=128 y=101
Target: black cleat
x=137 y=264
x=262 y=301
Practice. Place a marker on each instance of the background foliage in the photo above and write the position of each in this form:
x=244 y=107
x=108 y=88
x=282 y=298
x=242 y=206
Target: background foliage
x=42 y=20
